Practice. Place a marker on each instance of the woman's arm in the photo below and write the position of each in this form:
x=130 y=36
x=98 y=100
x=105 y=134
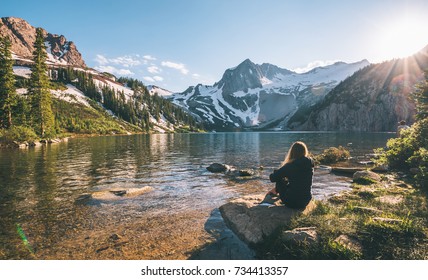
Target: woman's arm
x=280 y=173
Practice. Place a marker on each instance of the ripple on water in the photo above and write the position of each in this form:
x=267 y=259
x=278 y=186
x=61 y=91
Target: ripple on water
x=39 y=188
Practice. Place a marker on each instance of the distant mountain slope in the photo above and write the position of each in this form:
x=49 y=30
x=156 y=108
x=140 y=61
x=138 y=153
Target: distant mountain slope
x=373 y=99
x=252 y=96
x=159 y=91
x=109 y=105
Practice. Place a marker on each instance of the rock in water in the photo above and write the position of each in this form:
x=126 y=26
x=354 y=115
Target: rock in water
x=253 y=222
x=113 y=194
x=366 y=174
x=246 y=172
x=218 y=167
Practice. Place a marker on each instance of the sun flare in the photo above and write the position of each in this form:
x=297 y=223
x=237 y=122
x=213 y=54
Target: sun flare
x=403 y=38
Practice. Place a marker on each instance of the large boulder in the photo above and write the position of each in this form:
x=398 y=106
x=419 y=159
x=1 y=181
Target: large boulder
x=253 y=222
x=366 y=174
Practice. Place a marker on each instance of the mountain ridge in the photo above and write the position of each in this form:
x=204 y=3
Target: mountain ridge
x=108 y=104
x=373 y=99
x=22 y=35
x=249 y=96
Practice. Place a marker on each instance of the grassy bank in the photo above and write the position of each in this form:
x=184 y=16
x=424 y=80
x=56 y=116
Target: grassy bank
x=375 y=220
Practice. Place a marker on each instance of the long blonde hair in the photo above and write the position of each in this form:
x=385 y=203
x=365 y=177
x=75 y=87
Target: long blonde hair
x=297 y=150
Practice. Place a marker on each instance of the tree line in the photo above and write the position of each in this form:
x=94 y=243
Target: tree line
x=34 y=109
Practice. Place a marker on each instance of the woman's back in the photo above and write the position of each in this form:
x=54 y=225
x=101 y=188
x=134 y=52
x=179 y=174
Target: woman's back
x=299 y=174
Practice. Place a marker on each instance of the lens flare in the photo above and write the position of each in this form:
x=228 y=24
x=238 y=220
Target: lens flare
x=24 y=239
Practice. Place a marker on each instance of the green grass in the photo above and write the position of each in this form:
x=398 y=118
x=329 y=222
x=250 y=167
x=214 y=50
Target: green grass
x=355 y=214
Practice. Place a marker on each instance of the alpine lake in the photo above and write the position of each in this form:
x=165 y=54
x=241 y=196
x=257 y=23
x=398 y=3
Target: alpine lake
x=65 y=200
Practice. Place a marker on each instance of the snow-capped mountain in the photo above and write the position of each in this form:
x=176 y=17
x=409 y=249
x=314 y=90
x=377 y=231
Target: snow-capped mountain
x=261 y=96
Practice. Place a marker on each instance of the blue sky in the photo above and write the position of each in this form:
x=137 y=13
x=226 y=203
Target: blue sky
x=178 y=43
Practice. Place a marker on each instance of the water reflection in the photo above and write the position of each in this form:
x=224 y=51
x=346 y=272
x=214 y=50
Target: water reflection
x=39 y=186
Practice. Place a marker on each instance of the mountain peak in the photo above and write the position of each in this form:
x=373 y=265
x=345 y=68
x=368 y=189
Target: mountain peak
x=247 y=61
x=23 y=35
x=245 y=76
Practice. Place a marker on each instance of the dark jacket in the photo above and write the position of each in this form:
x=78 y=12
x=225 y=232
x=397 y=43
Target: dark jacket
x=294 y=182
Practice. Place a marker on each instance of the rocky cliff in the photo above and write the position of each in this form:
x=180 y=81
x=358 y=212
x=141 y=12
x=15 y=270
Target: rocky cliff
x=373 y=99
x=252 y=96
x=23 y=35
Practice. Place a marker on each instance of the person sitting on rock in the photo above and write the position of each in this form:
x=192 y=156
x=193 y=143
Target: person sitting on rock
x=401 y=126
x=294 y=178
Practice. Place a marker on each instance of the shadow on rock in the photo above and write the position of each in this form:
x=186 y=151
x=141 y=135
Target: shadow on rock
x=227 y=246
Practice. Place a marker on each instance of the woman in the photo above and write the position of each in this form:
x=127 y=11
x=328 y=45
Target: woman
x=294 y=178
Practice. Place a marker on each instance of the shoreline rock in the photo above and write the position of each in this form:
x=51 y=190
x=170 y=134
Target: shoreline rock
x=31 y=144
x=366 y=174
x=252 y=222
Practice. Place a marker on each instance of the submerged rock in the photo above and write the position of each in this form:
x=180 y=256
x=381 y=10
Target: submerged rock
x=218 y=167
x=347 y=170
x=253 y=222
x=114 y=194
x=246 y=172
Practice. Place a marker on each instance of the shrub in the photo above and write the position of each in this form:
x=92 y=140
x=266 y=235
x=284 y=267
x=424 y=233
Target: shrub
x=19 y=134
x=333 y=155
x=410 y=150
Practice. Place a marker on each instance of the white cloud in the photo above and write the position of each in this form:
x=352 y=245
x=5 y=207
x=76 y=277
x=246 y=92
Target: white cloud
x=125 y=61
x=149 y=57
x=178 y=66
x=102 y=60
x=125 y=72
x=149 y=79
x=196 y=76
x=158 y=78
x=314 y=64
x=113 y=70
x=153 y=69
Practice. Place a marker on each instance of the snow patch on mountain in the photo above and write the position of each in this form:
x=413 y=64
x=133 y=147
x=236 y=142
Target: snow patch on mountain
x=71 y=95
x=22 y=71
x=159 y=91
x=262 y=96
x=101 y=83
x=57 y=60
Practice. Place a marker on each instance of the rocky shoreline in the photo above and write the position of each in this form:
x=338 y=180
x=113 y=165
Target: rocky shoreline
x=32 y=144
x=382 y=209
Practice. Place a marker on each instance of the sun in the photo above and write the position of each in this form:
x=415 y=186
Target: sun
x=403 y=37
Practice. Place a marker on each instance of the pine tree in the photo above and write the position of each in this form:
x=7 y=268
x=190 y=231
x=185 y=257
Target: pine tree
x=41 y=100
x=421 y=98
x=8 y=95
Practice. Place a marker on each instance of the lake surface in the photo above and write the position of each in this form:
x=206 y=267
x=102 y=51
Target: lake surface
x=43 y=217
